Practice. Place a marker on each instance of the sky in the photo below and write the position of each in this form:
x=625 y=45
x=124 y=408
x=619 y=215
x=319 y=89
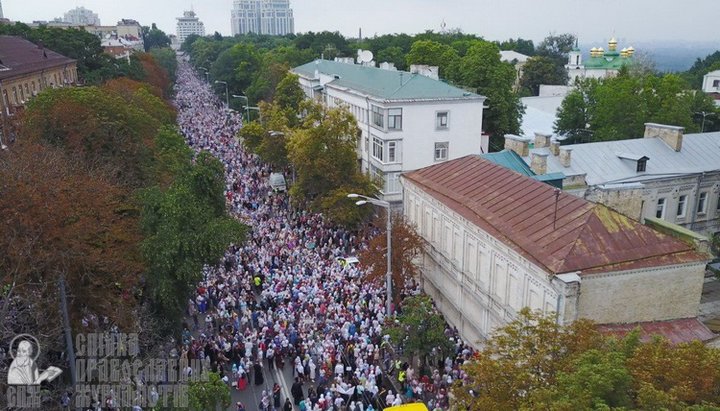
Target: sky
x=591 y=20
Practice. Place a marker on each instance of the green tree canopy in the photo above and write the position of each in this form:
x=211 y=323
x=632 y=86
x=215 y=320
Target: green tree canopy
x=433 y=53
x=542 y=70
x=153 y=37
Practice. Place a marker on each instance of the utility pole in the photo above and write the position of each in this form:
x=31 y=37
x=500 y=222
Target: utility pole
x=68 y=332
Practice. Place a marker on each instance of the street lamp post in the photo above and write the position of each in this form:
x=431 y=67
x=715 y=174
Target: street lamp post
x=388 y=273
x=247 y=102
x=227 y=96
x=254 y=108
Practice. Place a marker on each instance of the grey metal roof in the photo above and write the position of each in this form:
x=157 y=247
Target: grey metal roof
x=600 y=161
x=385 y=84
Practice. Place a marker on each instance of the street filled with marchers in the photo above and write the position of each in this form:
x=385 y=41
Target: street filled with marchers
x=282 y=299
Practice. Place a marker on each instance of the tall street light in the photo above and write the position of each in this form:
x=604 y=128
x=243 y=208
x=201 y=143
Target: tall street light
x=207 y=74
x=256 y=109
x=227 y=96
x=388 y=273
x=247 y=102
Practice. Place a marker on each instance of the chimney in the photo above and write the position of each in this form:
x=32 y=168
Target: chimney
x=565 y=156
x=555 y=148
x=542 y=140
x=425 y=70
x=518 y=144
x=539 y=163
x=671 y=135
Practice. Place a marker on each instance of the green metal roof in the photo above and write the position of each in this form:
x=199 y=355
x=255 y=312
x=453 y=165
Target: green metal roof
x=610 y=60
x=512 y=161
x=385 y=84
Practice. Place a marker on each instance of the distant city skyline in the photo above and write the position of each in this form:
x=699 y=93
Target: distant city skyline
x=592 y=21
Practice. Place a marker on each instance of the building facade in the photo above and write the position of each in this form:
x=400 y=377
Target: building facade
x=407 y=120
x=82 y=17
x=666 y=174
x=601 y=63
x=711 y=85
x=498 y=241
x=189 y=24
x=273 y=17
x=25 y=70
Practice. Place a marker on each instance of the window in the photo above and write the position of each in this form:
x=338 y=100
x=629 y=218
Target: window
x=442 y=120
x=716 y=83
x=395 y=119
x=392 y=183
x=702 y=203
x=377 y=149
x=682 y=205
x=641 y=165
x=660 y=210
x=378 y=117
x=441 y=151
x=392 y=151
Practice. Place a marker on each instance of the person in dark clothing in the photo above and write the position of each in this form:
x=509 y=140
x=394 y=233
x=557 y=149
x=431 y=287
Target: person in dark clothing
x=259 y=379
x=276 y=396
x=288 y=405
x=297 y=391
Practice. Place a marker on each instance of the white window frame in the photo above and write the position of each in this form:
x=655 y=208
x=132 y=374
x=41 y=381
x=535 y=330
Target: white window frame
x=393 y=151
x=702 y=202
x=392 y=183
x=378 y=116
x=441 y=147
x=682 y=206
x=438 y=120
x=378 y=149
x=660 y=207
x=394 y=119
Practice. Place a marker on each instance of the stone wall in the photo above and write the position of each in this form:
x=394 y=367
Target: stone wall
x=645 y=295
x=627 y=201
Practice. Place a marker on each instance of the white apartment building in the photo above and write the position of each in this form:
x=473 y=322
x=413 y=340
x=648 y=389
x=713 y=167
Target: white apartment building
x=189 y=24
x=408 y=121
x=498 y=241
x=273 y=17
x=82 y=17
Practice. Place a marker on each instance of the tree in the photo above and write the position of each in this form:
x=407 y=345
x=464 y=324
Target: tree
x=322 y=150
x=185 y=226
x=433 y=53
x=153 y=37
x=534 y=363
x=542 y=70
x=522 y=46
x=61 y=217
x=694 y=75
x=575 y=111
x=167 y=59
x=406 y=246
x=209 y=395
x=236 y=66
x=420 y=328
x=394 y=55
x=524 y=356
x=556 y=47
x=482 y=69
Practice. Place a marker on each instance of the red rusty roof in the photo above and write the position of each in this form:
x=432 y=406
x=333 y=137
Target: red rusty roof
x=20 y=56
x=520 y=211
x=676 y=331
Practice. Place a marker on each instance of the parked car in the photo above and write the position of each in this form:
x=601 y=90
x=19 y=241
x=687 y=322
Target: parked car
x=347 y=261
x=277 y=182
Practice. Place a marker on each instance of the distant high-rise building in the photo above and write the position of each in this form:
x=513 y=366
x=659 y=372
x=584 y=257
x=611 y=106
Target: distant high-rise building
x=2 y=16
x=273 y=17
x=82 y=16
x=189 y=24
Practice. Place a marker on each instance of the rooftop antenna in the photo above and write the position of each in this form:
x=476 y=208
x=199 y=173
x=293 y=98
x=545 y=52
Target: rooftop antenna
x=557 y=199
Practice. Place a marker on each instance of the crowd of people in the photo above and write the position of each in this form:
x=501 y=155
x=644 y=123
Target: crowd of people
x=282 y=300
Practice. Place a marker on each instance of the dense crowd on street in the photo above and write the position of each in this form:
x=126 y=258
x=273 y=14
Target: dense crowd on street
x=282 y=300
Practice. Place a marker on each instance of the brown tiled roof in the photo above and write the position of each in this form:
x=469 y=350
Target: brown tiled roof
x=676 y=331
x=21 y=56
x=519 y=211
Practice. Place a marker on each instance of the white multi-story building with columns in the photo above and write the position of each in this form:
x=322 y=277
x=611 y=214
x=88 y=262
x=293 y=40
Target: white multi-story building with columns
x=498 y=241
x=408 y=120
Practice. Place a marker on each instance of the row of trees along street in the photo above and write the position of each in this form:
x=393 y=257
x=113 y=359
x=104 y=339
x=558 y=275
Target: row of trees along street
x=101 y=191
